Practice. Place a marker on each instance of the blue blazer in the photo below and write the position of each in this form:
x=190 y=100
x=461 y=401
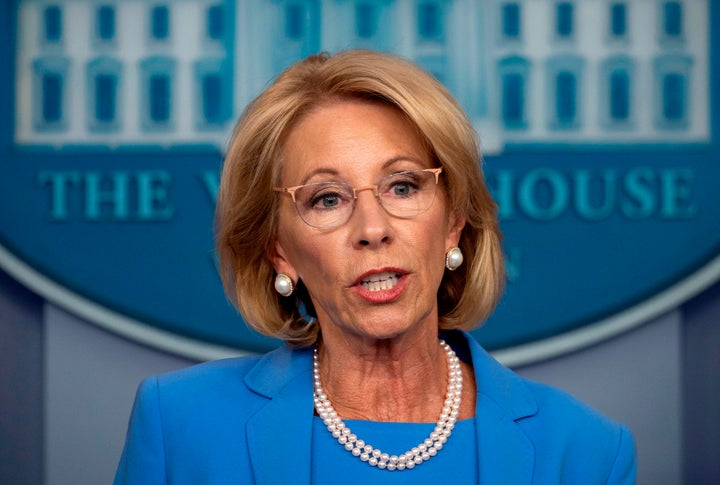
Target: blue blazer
x=249 y=420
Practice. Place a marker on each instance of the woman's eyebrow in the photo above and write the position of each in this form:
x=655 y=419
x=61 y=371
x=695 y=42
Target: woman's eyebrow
x=318 y=171
x=388 y=163
x=402 y=158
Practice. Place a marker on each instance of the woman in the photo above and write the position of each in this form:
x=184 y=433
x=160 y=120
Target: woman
x=354 y=224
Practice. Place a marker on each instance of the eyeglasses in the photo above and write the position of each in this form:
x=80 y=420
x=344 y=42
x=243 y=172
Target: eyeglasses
x=330 y=204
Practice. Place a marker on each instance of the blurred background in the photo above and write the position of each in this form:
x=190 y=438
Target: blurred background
x=598 y=125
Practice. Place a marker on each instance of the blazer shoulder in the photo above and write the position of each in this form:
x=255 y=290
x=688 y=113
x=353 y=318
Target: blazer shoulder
x=562 y=410
x=190 y=420
x=570 y=441
x=581 y=440
x=198 y=374
x=208 y=385
x=242 y=379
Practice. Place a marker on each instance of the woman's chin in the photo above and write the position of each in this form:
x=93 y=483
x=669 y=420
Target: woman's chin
x=386 y=330
x=396 y=320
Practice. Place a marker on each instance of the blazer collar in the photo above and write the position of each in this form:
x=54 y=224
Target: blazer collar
x=505 y=454
x=495 y=382
x=280 y=433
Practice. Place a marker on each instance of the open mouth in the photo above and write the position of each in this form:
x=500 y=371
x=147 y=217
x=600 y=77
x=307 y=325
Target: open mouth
x=381 y=281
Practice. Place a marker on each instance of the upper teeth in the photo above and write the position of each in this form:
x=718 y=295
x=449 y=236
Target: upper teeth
x=380 y=281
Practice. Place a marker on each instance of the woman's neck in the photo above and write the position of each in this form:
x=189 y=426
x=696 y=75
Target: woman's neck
x=402 y=379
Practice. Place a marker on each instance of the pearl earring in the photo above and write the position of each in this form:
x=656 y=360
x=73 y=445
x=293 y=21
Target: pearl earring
x=284 y=285
x=453 y=258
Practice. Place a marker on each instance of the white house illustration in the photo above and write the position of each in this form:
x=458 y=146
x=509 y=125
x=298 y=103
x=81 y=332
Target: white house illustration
x=176 y=73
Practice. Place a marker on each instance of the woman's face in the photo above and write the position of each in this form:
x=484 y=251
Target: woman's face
x=360 y=142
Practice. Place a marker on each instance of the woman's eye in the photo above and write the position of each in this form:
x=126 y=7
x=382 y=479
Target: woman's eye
x=329 y=200
x=326 y=200
x=403 y=188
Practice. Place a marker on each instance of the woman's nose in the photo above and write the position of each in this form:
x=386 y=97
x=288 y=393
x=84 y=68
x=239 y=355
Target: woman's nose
x=369 y=221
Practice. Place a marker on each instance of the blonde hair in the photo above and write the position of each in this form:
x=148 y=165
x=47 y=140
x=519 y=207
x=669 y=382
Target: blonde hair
x=247 y=207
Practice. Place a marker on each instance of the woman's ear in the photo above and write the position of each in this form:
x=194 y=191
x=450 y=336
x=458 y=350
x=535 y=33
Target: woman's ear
x=456 y=223
x=280 y=262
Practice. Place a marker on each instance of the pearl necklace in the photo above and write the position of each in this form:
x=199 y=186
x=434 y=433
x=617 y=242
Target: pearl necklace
x=415 y=456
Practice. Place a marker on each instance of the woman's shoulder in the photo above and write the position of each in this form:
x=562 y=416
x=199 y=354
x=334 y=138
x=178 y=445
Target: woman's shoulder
x=572 y=442
x=545 y=413
x=206 y=373
x=524 y=398
x=205 y=385
x=566 y=413
x=234 y=378
x=578 y=439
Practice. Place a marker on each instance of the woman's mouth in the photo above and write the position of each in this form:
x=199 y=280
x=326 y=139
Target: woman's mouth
x=380 y=281
x=381 y=286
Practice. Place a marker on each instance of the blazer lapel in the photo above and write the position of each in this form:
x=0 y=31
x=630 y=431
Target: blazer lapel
x=280 y=433
x=505 y=454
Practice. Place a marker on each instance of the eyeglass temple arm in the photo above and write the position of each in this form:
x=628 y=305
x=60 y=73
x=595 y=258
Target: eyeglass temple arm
x=287 y=190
